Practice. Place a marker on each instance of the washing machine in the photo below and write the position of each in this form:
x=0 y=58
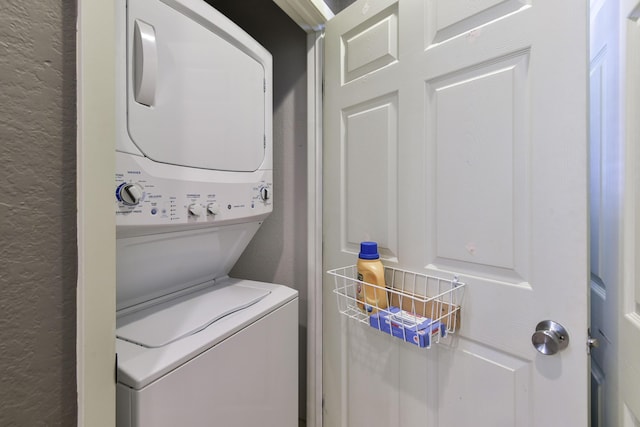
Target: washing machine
x=193 y=184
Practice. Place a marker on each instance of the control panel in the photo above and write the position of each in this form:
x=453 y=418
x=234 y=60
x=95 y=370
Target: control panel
x=147 y=194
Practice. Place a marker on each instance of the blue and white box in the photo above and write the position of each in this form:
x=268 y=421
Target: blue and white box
x=408 y=326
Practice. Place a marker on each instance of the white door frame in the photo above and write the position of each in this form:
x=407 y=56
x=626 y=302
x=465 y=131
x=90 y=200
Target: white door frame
x=96 y=287
x=630 y=346
x=311 y=16
x=95 y=342
x=315 y=55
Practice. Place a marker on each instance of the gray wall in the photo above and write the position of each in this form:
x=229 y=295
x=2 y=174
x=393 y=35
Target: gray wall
x=38 y=254
x=38 y=257
x=278 y=253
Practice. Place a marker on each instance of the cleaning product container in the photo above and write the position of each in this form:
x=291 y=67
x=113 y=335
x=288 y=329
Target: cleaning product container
x=370 y=272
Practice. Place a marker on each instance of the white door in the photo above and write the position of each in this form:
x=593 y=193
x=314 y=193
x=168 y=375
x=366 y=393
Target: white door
x=605 y=208
x=630 y=301
x=456 y=137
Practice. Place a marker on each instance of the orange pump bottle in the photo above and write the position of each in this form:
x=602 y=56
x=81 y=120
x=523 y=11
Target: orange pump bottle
x=370 y=270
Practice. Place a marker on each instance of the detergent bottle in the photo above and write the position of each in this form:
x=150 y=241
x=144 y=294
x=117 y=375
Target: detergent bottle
x=371 y=271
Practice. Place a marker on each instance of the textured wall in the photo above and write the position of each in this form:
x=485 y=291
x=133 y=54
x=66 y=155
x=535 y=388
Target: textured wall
x=37 y=213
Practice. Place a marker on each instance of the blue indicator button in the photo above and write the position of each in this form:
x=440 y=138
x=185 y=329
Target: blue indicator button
x=154 y=211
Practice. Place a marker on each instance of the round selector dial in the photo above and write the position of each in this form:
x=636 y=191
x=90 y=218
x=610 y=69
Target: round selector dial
x=213 y=209
x=265 y=193
x=195 y=209
x=129 y=194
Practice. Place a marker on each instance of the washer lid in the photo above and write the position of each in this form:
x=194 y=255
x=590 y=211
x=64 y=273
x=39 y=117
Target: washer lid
x=197 y=91
x=163 y=324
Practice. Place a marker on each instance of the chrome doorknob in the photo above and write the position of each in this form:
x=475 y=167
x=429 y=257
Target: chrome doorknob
x=550 y=337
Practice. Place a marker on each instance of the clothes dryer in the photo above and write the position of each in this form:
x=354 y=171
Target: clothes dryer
x=194 y=182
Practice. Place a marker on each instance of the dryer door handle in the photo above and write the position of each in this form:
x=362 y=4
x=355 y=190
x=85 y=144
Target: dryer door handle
x=145 y=64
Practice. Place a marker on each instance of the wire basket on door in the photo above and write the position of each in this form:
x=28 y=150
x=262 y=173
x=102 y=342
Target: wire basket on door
x=414 y=307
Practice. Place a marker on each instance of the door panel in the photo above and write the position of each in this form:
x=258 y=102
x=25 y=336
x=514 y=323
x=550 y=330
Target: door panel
x=481 y=163
x=630 y=301
x=463 y=368
x=452 y=18
x=629 y=419
x=473 y=131
x=605 y=209
x=371 y=128
x=369 y=47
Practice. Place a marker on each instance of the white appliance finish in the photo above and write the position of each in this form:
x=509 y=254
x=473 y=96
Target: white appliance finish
x=193 y=185
x=211 y=197
x=239 y=371
x=209 y=83
x=201 y=153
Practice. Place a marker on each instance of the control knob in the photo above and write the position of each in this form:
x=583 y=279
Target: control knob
x=195 y=209
x=265 y=193
x=129 y=194
x=213 y=208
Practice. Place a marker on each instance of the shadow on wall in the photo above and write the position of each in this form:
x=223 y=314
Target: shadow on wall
x=278 y=252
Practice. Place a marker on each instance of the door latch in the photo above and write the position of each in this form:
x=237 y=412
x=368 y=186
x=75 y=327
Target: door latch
x=591 y=342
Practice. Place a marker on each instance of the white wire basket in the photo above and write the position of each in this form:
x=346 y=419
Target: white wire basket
x=417 y=308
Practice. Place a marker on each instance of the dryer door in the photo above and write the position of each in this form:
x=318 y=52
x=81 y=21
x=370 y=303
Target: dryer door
x=196 y=87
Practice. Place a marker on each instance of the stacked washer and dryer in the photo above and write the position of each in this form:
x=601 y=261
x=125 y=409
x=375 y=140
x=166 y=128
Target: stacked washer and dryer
x=194 y=182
